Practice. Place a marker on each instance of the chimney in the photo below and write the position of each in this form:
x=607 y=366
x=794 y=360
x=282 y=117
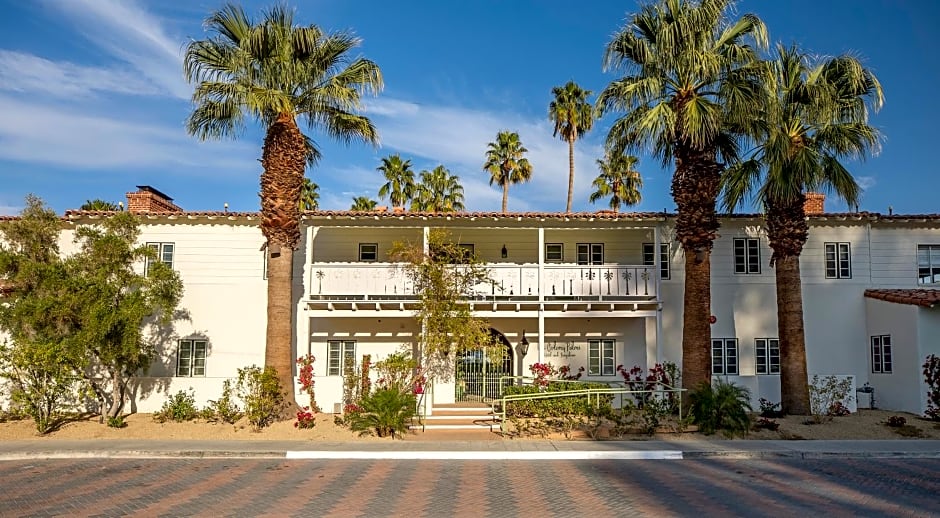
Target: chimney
x=815 y=203
x=148 y=199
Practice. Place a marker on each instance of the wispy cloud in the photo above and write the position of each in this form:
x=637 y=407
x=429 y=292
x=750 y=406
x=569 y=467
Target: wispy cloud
x=866 y=182
x=37 y=76
x=9 y=210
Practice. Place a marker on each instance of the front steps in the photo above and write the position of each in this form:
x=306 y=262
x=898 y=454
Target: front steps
x=463 y=417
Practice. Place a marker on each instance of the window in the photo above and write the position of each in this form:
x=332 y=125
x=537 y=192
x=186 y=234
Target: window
x=191 y=358
x=746 y=255
x=554 y=252
x=881 y=354
x=724 y=356
x=164 y=252
x=838 y=261
x=339 y=354
x=649 y=259
x=768 y=355
x=368 y=252
x=928 y=264
x=601 y=357
x=590 y=253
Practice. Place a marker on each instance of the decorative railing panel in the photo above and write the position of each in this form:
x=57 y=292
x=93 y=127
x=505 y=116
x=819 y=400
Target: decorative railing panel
x=598 y=281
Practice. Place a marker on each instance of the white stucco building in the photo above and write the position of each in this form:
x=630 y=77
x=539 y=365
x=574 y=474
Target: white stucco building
x=592 y=290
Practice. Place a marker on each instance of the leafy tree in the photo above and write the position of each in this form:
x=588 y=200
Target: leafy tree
x=363 y=203
x=691 y=83
x=273 y=71
x=439 y=191
x=309 y=195
x=399 y=187
x=618 y=179
x=816 y=117
x=99 y=205
x=506 y=162
x=573 y=117
x=448 y=326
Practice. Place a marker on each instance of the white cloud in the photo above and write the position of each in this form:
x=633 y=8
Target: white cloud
x=9 y=210
x=866 y=182
x=36 y=76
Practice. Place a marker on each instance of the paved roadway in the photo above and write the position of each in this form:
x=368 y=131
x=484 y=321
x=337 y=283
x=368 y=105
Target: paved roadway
x=449 y=488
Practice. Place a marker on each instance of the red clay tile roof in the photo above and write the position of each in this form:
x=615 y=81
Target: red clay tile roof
x=920 y=297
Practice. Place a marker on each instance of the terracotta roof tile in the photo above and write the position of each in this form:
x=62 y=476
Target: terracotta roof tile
x=919 y=297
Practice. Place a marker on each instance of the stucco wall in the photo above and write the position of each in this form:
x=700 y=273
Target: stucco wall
x=897 y=390
x=928 y=333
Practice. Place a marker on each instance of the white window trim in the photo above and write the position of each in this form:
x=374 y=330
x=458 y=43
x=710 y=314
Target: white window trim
x=606 y=364
x=839 y=251
x=750 y=267
x=933 y=262
x=591 y=247
x=722 y=368
x=882 y=355
x=664 y=270
x=192 y=359
x=160 y=248
x=361 y=245
x=767 y=346
x=346 y=348
x=561 y=250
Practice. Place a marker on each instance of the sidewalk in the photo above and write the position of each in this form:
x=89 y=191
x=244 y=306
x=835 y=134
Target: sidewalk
x=469 y=450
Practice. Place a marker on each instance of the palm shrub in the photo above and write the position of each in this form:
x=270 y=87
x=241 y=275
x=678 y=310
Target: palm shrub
x=723 y=407
x=385 y=412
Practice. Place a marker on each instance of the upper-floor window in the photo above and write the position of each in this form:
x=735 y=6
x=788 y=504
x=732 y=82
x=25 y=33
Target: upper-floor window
x=881 y=361
x=601 y=357
x=767 y=355
x=746 y=255
x=164 y=252
x=724 y=355
x=554 y=252
x=191 y=358
x=928 y=264
x=339 y=354
x=368 y=252
x=590 y=253
x=838 y=261
x=649 y=259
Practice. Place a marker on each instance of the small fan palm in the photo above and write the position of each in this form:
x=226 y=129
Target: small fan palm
x=617 y=180
x=506 y=162
x=99 y=205
x=386 y=412
x=438 y=191
x=399 y=187
x=363 y=204
x=573 y=117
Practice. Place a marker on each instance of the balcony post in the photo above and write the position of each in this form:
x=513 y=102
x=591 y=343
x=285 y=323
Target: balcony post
x=541 y=277
x=657 y=246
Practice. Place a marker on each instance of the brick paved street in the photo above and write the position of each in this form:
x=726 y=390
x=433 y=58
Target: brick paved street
x=251 y=487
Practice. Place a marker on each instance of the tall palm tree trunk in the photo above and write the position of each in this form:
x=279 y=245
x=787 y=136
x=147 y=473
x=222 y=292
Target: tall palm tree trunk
x=505 y=194
x=696 y=331
x=794 y=389
x=283 y=159
x=570 y=173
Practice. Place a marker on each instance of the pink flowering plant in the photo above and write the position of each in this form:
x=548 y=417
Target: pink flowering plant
x=306 y=417
x=545 y=373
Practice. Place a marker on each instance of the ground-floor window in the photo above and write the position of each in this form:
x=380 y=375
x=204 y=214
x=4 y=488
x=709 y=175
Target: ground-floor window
x=339 y=353
x=881 y=354
x=601 y=357
x=724 y=355
x=191 y=358
x=768 y=355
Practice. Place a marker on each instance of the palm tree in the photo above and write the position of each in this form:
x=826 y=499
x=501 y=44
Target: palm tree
x=816 y=117
x=691 y=81
x=363 y=204
x=99 y=205
x=617 y=179
x=439 y=191
x=399 y=187
x=273 y=71
x=309 y=195
x=506 y=163
x=573 y=117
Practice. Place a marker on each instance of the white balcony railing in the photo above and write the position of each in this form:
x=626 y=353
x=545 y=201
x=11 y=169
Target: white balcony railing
x=389 y=281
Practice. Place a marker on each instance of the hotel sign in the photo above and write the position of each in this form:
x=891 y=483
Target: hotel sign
x=562 y=350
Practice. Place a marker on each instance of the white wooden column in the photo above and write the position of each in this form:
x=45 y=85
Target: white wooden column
x=541 y=275
x=657 y=246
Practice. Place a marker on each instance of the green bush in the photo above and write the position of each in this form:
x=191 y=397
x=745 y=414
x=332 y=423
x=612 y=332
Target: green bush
x=386 y=412
x=723 y=407
x=179 y=407
x=261 y=393
x=224 y=409
x=117 y=422
x=556 y=406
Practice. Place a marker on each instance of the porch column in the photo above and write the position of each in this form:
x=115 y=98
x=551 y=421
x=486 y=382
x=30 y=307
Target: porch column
x=425 y=236
x=657 y=246
x=541 y=275
x=541 y=333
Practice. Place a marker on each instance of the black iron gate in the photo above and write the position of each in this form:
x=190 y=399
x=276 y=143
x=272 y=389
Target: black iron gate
x=481 y=375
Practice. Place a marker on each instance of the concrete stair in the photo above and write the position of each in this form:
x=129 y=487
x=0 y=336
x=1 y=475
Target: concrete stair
x=459 y=417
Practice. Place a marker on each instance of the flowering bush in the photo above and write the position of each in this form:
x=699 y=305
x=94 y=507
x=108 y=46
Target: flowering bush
x=305 y=373
x=661 y=374
x=564 y=372
x=896 y=421
x=932 y=378
x=543 y=372
x=420 y=381
x=352 y=408
x=305 y=418
x=769 y=409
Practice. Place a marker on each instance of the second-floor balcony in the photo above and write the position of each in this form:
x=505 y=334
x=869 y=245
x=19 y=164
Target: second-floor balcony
x=508 y=282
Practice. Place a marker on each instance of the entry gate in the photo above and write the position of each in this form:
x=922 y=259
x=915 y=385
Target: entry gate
x=479 y=378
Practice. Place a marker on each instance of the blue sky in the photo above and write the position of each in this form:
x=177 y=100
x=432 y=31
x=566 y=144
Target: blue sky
x=93 y=99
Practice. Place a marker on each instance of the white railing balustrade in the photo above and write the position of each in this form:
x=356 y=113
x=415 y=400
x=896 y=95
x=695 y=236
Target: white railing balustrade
x=600 y=281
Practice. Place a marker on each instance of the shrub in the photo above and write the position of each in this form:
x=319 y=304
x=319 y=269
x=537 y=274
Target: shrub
x=825 y=393
x=305 y=376
x=769 y=410
x=117 y=422
x=766 y=424
x=386 y=412
x=932 y=378
x=261 y=393
x=553 y=407
x=224 y=409
x=896 y=421
x=178 y=407
x=838 y=410
x=723 y=407
x=306 y=418
x=660 y=374
x=397 y=372
x=41 y=385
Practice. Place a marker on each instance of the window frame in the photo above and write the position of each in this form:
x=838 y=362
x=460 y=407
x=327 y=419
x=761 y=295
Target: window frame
x=561 y=253
x=375 y=252
x=841 y=252
x=591 y=250
x=598 y=349
x=345 y=348
x=932 y=265
x=649 y=259
x=750 y=261
x=160 y=247
x=882 y=354
x=722 y=367
x=191 y=358
x=766 y=346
